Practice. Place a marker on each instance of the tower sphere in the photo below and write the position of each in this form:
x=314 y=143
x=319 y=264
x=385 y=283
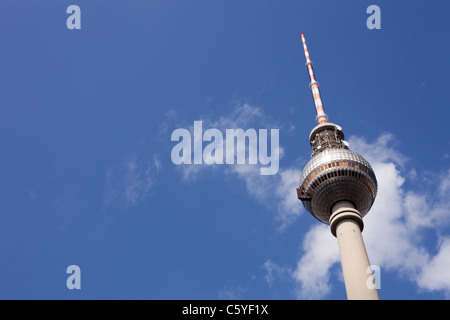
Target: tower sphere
x=335 y=174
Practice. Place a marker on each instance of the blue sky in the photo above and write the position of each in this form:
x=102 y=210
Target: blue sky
x=86 y=118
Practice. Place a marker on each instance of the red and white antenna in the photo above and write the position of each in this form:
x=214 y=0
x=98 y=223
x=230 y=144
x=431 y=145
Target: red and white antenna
x=314 y=86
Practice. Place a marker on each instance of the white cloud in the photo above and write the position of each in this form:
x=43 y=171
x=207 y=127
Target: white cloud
x=289 y=207
x=435 y=275
x=392 y=230
x=381 y=151
x=390 y=240
x=313 y=269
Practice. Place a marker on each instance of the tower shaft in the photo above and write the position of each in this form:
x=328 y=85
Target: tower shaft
x=346 y=224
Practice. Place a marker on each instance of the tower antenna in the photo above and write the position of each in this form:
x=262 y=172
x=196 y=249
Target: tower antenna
x=314 y=86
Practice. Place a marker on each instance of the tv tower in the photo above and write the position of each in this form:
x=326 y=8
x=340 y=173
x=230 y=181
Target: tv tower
x=338 y=187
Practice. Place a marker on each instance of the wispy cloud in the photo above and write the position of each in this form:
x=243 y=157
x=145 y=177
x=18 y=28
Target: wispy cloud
x=275 y=272
x=243 y=116
x=275 y=191
x=131 y=180
x=232 y=292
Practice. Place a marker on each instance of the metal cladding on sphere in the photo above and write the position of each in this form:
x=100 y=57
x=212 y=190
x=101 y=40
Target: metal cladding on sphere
x=335 y=174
